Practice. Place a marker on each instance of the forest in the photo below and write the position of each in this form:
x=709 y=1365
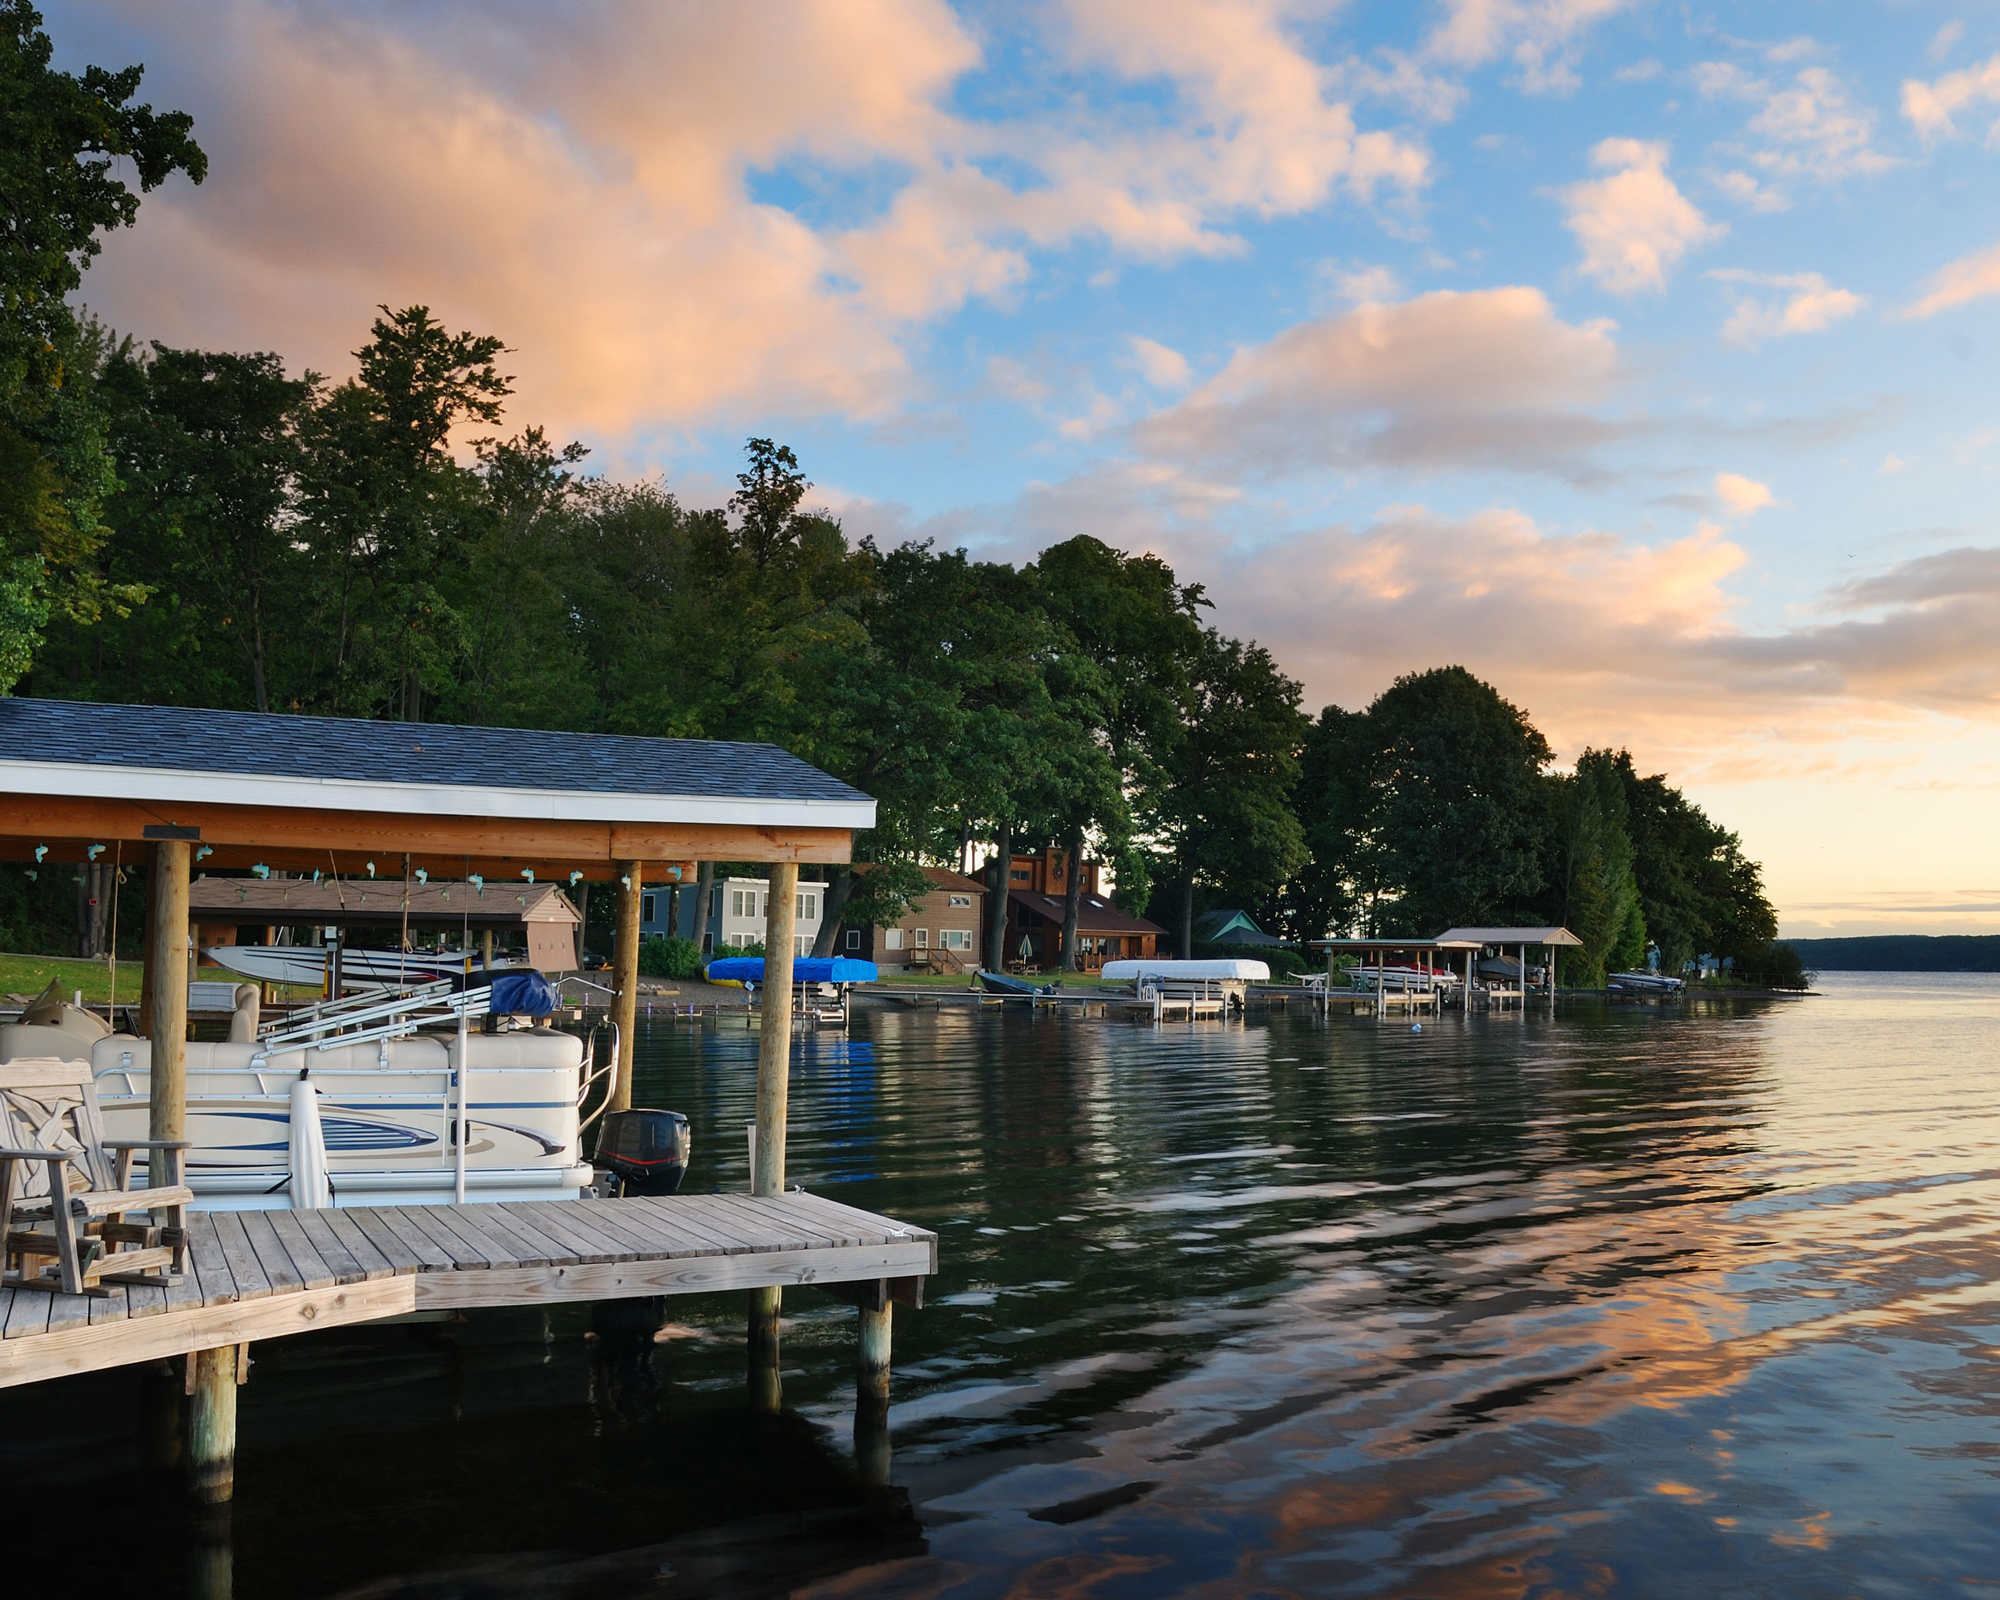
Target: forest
x=226 y=529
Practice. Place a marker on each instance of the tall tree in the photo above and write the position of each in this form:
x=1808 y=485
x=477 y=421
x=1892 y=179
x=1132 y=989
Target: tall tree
x=1459 y=810
x=1223 y=814
x=61 y=138
x=1597 y=894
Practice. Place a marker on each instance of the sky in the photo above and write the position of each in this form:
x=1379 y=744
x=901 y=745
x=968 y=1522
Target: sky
x=1633 y=355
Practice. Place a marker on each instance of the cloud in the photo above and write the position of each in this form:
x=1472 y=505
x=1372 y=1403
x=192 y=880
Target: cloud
x=1489 y=377
x=1164 y=368
x=596 y=185
x=1809 y=128
x=1945 y=40
x=1807 y=304
x=1742 y=497
x=1633 y=224
x=1969 y=278
x=1359 y=285
x=1930 y=107
x=1541 y=37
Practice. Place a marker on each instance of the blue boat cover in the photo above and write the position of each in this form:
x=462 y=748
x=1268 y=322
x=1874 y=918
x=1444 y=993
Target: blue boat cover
x=805 y=969
x=524 y=993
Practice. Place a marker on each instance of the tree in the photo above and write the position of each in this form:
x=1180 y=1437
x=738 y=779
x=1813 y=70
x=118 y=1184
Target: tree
x=1597 y=895
x=1334 y=801
x=1223 y=813
x=60 y=138
x=1699 y=894
x=1459 y=808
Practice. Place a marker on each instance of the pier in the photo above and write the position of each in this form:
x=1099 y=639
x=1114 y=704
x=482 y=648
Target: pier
x=256 y=1275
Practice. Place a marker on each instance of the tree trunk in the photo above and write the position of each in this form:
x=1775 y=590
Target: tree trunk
x=838 y=888
x=1187 y=918
x=695 y=918
x=1072 y=897
x=996 y=897
x=93 y=897
x=583 y=922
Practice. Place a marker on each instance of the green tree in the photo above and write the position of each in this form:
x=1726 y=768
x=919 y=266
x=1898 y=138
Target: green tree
x=1335 y=801
x=1459 y=806
x=1223 y=815
x=61 y=137
x=1699 y=894
x=1597 y=893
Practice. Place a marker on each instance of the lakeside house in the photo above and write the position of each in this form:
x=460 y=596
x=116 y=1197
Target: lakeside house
x=940 y=931
x=736 y=908
x=1036 y=886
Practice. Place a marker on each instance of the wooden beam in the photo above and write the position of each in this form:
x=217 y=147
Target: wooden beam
x=436 y=843
x=610 y=1280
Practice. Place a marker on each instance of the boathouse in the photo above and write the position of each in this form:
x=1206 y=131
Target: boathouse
x=180 y=790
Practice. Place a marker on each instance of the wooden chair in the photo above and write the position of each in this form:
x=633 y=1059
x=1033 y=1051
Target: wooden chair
x=58 y=1169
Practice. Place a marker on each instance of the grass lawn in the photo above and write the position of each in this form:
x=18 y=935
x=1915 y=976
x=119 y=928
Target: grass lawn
x=29 y=975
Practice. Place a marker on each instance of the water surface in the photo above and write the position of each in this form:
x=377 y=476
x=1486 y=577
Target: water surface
x=1629 y=1301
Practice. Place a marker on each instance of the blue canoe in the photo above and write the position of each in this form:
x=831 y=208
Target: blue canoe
x=805 y=969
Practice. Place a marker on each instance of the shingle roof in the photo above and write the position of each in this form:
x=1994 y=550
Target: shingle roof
x=37 y=736
x=1094 y=913
x=361 y=901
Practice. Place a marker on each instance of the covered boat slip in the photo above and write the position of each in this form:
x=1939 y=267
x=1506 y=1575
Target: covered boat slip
x=169 y=788
x=1410 y=974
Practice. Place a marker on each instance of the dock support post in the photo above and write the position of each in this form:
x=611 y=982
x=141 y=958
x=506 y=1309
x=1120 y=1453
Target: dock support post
x=167 y=988
x=625 y=961
x=774 y=1068
x=211 y=1434
x=871 y=1396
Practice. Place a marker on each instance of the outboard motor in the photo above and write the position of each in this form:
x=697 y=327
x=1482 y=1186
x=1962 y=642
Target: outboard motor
x=647 y=1151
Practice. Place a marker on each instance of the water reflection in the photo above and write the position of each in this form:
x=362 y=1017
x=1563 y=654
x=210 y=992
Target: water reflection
x=1632 y=1302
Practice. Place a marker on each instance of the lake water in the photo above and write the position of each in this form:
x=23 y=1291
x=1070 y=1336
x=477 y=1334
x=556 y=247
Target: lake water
x=1628 y=1302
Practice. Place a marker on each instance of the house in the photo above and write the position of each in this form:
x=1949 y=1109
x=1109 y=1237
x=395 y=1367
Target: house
x=939 y=931
x=1230 y=927
x=1036 y=885
x=736 y=909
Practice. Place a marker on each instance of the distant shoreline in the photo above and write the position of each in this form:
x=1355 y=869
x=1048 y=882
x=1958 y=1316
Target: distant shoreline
x=1902 y=952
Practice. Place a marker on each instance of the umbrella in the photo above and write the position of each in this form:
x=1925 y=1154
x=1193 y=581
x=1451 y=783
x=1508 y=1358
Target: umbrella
x=311 y=1191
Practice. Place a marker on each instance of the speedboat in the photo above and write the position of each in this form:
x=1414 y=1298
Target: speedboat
x=1000 y=983
x=1654 y=983
x=305 y=964
x=395 y=1076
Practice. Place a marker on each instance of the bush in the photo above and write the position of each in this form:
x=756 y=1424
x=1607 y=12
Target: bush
x=663 y=957
x=1775 y=966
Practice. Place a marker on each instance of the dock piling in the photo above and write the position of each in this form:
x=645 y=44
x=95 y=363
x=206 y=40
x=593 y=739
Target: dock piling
x=211 y=1430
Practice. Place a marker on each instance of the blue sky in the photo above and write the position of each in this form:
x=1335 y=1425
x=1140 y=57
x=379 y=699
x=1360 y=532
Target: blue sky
x=1634 y=355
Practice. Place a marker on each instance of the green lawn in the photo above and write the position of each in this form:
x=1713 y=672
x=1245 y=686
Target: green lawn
x=29 y=975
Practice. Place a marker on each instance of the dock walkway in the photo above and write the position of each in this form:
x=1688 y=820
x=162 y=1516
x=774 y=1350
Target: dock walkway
x=255 y=1275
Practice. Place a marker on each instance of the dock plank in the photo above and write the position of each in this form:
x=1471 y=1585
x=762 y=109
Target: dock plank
x=586 y=1220
x=252 y=1283
x=341 y=1261
x=528 y=1228
x=658 y=1237
x=494 y=1225
x=306 y=1258
x=752 y=1219
x=462 y=1243
x=217 y=1282
x=809 y=1222
x=368 y=1242
x=260 y=1232
x=112 y=1307
x=27 y=1313
x=411 y=1240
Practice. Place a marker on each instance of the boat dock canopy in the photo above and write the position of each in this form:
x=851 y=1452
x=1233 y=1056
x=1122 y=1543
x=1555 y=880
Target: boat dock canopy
x=337 y=794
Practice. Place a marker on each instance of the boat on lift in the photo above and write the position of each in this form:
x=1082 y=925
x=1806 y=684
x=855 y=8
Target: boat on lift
x=304 y=965
x=396 y=1074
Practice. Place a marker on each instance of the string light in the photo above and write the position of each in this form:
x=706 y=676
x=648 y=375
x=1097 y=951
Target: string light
x=261 y=870
x=575 y=878
x=371 y=869
x=316 y=877
x=478 y=884
x=528 y=873
x=423 y=876
x=204 y=852
x=94 y=851
x=41 y=853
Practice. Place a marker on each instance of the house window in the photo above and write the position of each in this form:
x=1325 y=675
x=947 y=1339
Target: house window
x=956 y=938
x=892 y=938
x=1021 y=874
x=707 y=942
x=798 y=944
x=958 y=900
x=807 y=910
x=736 y=903
x=645 y=908
x=923 y=938
x=854 y=938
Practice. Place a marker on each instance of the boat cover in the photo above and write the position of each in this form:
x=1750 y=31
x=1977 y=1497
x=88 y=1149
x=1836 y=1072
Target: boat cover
x=805 y=969
x=523 y=993
x=1176 y=971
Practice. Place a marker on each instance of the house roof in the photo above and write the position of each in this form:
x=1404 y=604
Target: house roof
x=354 y=902
x=1094 y=913
x=1466 y=937
x=1240 y=925
x=81 y=749
x=940 y=878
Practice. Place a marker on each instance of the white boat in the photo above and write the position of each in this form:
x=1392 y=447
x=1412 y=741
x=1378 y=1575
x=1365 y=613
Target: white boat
x=305 y=964
x=389 y=1100
x=1644 y=983
x=1150 y=968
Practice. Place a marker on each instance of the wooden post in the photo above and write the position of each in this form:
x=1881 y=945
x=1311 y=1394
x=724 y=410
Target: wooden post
x=211 y=1433
x=625 y=971
x=774 y=1068
x=774 y=1043
x=486 y=948
x=167 y=987
x=871 y=1395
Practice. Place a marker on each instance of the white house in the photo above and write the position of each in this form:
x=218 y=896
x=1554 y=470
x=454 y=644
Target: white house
x=736 y=908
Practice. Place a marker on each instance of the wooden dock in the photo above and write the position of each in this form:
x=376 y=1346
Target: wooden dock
x=256 y=1275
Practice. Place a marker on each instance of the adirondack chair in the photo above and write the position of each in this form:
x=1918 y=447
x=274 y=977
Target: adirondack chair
x=56 y=1168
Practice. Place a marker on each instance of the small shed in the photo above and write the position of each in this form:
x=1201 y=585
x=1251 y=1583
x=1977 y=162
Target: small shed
x=220 y=907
